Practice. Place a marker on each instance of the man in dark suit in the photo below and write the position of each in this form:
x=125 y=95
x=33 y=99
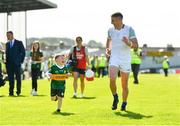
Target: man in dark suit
x=15 y=54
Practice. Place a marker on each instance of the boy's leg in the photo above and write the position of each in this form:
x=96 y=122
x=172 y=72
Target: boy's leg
x=113 y=71
x=53 y=98
x=124 y=83
x=59 y=105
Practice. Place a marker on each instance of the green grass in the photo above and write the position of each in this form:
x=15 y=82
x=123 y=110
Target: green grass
x=155 y=101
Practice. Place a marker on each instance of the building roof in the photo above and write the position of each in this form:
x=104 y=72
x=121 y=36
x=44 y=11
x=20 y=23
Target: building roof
x=24 y=5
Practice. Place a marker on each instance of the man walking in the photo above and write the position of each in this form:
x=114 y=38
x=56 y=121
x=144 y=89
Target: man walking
x=136 y=56
x=122 y=38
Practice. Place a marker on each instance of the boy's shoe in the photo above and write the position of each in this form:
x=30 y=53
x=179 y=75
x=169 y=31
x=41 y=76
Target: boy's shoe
x=58 y=110
x=123 y=106
x=115 y=103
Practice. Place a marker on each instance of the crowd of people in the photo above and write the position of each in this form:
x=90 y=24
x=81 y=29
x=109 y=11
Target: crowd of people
x=122 y=54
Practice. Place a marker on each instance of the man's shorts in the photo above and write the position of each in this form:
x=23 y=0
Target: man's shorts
x=122 y=65
x=80 y=71
x=58 y=92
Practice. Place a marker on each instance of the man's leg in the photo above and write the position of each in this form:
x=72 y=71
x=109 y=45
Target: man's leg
x=10 y=72
x=124 y=83
x=18 y=78
x=166 y=72
x=99 y=72
x=133 y=70
x=136 y=73
x=75 y=75
x=103 y=71
x=113 y=70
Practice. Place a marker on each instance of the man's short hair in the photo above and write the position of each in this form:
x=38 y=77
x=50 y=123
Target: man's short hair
x=10 y=32
x=117 y=14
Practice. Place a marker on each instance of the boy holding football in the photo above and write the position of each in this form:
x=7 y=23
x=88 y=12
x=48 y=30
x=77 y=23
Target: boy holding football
x=58 y=73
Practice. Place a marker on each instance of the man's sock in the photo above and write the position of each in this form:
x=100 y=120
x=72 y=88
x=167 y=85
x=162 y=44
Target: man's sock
x=123 y=104
x=115 y=96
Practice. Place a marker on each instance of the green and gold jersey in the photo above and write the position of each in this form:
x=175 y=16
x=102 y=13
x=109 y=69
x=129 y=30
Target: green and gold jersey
x=36 y=56
x=58 y=84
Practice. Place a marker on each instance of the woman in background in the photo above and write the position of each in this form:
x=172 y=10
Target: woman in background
x=36 y=59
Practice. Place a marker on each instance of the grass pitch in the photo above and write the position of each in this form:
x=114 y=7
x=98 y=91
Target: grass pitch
x=155 y=101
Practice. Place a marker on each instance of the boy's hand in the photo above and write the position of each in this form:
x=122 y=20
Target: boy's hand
x=50 y=75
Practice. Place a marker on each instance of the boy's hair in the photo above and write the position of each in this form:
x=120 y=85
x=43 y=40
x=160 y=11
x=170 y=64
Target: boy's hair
x=56 y=56
x=117 y=14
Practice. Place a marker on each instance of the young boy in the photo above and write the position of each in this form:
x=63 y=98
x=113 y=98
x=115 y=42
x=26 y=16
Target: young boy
x=58 y=73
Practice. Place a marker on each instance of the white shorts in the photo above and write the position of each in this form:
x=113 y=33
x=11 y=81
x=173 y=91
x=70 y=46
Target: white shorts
x=123 y=65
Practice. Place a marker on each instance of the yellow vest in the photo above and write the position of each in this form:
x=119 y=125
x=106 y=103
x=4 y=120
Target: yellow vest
x=50 y=62
x=165 y=64
x=135 y=57
x=96 y=63
x=102 y=62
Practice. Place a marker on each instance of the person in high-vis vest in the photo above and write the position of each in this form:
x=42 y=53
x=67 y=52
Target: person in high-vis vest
x=136 y=56
x=102 y=65
x=165 y=65
x=50 y=62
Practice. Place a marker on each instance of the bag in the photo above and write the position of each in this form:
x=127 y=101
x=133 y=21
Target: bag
x=89 y=75
x=73 y=58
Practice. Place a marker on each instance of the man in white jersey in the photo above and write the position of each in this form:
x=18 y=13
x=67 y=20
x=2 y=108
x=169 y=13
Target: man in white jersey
x=121 y=38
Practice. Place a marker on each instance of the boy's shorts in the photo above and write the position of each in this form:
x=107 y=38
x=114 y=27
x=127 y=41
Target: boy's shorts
x=58 y=92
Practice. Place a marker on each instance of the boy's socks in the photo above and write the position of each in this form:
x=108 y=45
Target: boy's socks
x=59 y=103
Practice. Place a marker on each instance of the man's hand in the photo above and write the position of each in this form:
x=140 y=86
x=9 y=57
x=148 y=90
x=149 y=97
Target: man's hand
x=126 y=41
x=108 y=52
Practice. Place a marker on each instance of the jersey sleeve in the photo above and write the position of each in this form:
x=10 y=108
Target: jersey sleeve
x=132 y=33
x=109 y=34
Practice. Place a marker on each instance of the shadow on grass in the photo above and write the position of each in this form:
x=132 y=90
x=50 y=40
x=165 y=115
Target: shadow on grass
x=2 y=96
x=15 y=96
x=84 y=98
x=132 y=115
x=63 y=113
x=40 y=95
